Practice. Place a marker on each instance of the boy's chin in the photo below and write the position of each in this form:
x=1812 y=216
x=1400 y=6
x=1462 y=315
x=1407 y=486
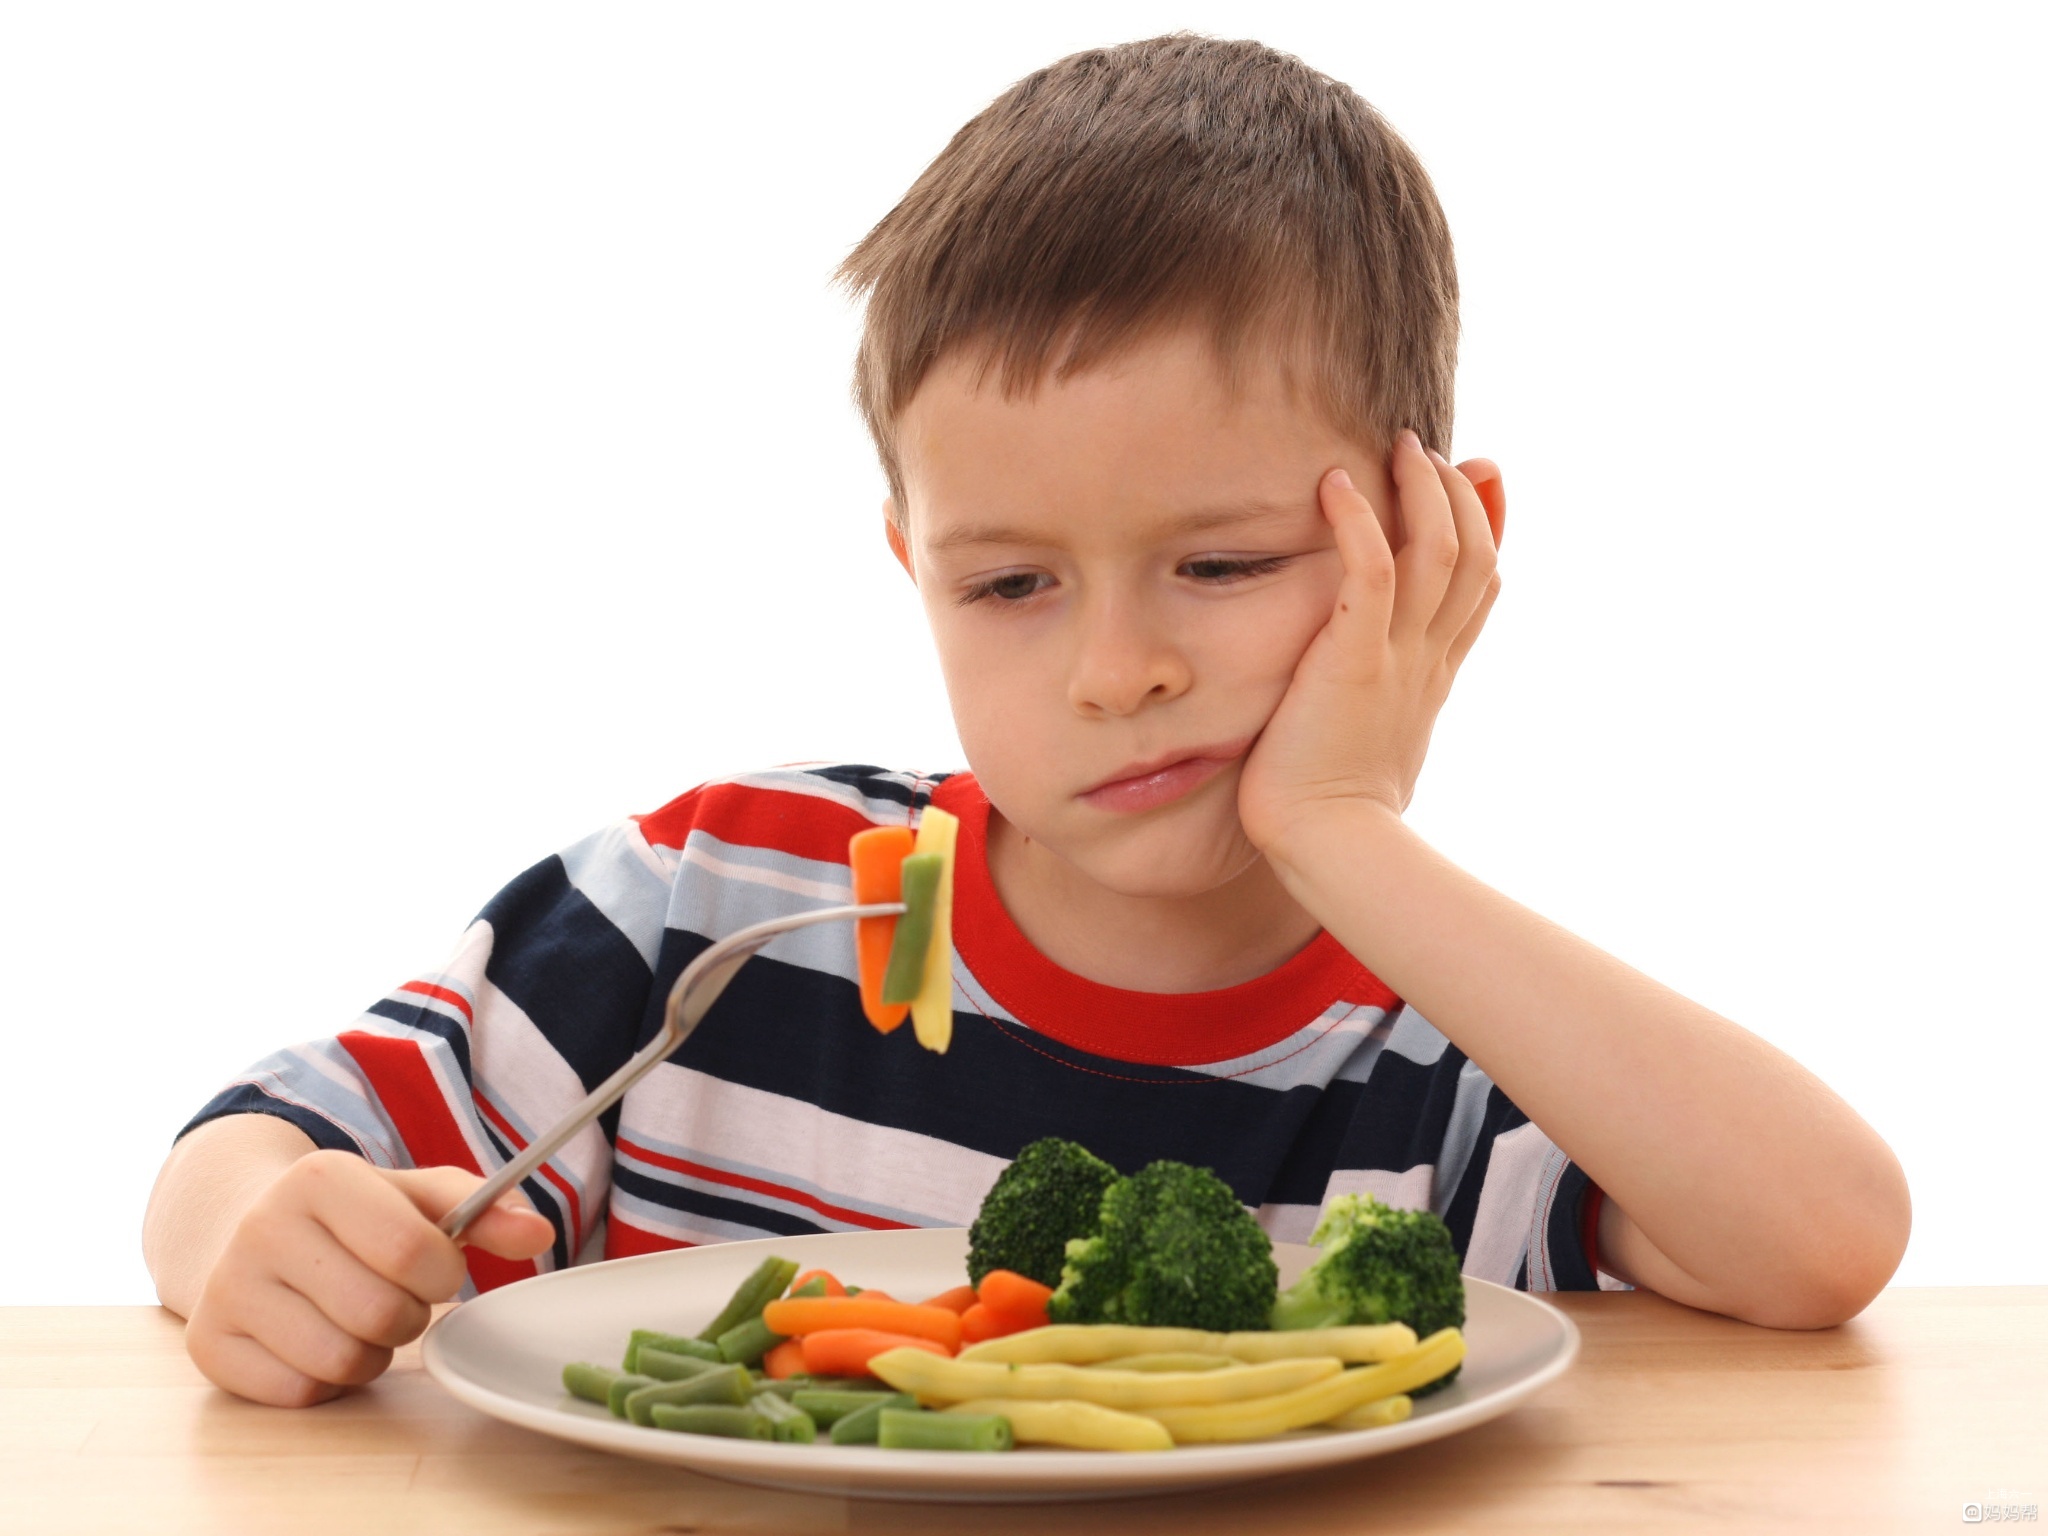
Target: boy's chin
x=1174 y=858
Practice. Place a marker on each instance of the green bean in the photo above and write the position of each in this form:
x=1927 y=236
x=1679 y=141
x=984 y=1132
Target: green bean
x=904 y=1430
x=844 y=1384
x=815 y=1286
x=791 y=1423
x=863 y=1425
x=828 y=1407
x=622 y=1387
x=667 y=1343
x=764 y=1285
x=786 y=1388
x=748 y=1342
x=706 y=1419
x=592 y=1383
x=904 y=978
x=663 y=1366
x=727 y=1384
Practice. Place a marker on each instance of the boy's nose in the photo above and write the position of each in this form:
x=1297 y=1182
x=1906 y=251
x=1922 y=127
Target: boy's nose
x=1121 y=664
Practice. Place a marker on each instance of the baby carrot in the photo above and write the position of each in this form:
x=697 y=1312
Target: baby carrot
x=832 y=1285
x=876 y=857
x=784 y=1360
x=958 y=1299
x=814 y=1314
x=1015 y=1296
x=982 y=1321
x=847 y=1351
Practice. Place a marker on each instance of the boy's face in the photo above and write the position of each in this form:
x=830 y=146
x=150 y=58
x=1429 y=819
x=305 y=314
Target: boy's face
x=1121 y=572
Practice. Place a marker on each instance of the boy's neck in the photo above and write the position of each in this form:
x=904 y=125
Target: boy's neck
x=1235 y=933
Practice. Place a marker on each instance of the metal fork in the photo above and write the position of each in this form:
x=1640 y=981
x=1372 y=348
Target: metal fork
x=703 y=979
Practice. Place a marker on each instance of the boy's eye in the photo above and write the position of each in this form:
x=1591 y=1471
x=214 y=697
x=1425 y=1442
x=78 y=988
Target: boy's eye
x=1010 y=587
x=1218 y=569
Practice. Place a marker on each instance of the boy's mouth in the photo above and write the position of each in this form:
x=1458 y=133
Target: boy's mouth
x=1161 y=780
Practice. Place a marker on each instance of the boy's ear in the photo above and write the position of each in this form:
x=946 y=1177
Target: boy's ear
x=1493 y=495
x=897 y=546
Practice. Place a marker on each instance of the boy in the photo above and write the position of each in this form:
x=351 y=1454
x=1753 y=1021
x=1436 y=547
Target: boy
x=1144 y=348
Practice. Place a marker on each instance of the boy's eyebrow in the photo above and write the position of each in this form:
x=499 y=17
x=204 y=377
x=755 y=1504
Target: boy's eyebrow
x=1202 y=520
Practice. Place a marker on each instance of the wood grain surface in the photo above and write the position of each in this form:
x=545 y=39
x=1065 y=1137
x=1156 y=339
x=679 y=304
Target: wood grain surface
x=1672 y=1420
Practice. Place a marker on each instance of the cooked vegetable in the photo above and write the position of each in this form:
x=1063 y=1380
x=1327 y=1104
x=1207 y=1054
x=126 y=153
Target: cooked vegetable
x=749 y=1341
x=728 y=1384
x=1171 y=1362
x=1064 y=1344
x=1015 y=1297
x=936 y=1379
x=790 y=1422
x=876 y=857
x=755 y=1292
x=1050 y=1194
x=807 y=1315
x=909 y=1429
x=905 y=977
x=624 y=1386
x=1317 y=1403
x=1378 y=1265
x=1387 y=1410
x=1174 y=1248
x=829 y=1407
x=735 y=1423
x=673 y=1343
x=592 y=1383
x=982 y=1322
x=784 y=1360
x=931 y=1011
x=847 y=1351
x=864 y=1425
x=1077 y=1425
x=958 y=1299
x=663 y=1366
x=816 y=1282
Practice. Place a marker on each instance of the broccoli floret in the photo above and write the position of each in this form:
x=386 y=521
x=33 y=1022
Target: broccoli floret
x=1050 y=1195
x=1378 y=1265
x=1175 y=1250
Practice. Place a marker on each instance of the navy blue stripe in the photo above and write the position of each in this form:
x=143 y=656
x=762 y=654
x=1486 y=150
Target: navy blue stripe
x=248 y=1099
x=569 y=969
x=543 y=1197
x=696 y=1202
x=1568 y=1264
x=868 y=780
x=439 y=1025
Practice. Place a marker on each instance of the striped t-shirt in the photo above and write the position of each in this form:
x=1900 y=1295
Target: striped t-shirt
x=786 y=1112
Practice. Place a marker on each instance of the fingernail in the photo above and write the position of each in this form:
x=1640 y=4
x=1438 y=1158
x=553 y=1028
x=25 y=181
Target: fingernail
x=1440 y=459
x=1410 y=434
x=1340 y=479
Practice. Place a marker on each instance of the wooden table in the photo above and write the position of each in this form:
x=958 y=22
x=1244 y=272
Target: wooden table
x=1671 y=1420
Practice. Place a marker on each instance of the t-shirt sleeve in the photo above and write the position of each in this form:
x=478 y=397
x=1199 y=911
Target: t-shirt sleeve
x=543 y=998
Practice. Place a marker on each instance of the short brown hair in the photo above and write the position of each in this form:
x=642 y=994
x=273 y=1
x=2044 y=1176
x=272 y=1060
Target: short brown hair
x=1181 y=178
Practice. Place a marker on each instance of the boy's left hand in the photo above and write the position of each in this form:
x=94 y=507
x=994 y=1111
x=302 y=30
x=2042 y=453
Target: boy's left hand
x=1354 y=724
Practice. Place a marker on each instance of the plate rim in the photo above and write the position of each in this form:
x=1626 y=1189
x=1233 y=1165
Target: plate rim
x=1041 y=1473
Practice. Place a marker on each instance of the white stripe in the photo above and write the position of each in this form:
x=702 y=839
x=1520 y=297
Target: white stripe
x=1408 y=1190
x=1500 y=1230
x=535 y=1087
x=848 y=1162
x=730 y=869
x=1461 y=1133
x=617 y=874
x=1306 y=1058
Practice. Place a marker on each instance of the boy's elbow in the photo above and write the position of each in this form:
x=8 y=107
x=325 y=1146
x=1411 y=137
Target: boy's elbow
x=1853 y=1264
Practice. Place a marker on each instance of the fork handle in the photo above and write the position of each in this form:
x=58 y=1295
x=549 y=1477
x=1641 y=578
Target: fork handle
x=709 y=972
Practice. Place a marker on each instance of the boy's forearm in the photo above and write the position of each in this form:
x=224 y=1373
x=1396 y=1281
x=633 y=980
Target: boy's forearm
x=1742 y=1168
x=210 y=1179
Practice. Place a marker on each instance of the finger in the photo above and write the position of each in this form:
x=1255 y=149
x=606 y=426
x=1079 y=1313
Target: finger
x=1455 y=656
x=304 y=1338
x=351 y=1295
x=1365 y=597
x=1476 y=555
x=236 y=1363
x=511 y=1228
x=371 y=1212
x=1429 y=541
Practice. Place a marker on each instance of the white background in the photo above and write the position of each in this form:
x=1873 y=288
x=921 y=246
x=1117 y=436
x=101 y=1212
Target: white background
x=424 y=438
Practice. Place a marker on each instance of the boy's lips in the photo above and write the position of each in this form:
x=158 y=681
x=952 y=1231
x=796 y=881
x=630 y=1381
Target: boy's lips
x=1141 y=786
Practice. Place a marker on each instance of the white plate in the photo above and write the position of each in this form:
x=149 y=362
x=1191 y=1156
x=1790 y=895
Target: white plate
x=504 y=1353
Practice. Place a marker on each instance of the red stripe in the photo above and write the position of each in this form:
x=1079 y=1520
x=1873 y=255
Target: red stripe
x=1589 y=1226
x=622 y=1240
x=762 y=1187
x=1166 y=1029
x=546 y=1170
x=803 y=826
x=454 y=1000
x=405 y=1085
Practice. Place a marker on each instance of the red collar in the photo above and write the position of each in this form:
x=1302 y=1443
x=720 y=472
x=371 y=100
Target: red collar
x=1171 y=1029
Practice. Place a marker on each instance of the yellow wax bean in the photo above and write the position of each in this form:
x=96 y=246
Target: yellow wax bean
x=1093 y=1343
x=931 y=1011
x=1077 y=1425
x=1314 y=1404
x=936 y=1379
x=1388 y=1410
x=1182 y=1361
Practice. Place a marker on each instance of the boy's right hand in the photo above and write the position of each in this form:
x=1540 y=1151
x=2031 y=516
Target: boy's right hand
x=335 y=1265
